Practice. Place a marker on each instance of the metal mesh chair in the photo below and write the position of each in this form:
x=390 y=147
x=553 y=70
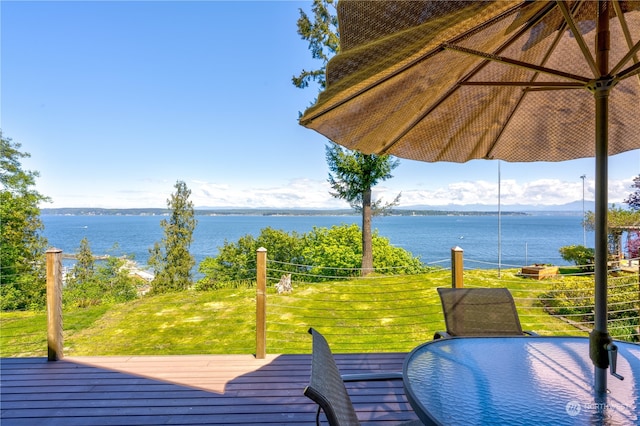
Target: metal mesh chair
x=479 y=312
x=326 y=386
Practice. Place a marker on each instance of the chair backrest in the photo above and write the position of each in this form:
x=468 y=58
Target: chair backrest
x=479 y=312
x=326 y=387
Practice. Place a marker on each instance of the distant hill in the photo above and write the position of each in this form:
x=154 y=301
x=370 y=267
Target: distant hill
x=574 y=206
x=90 y=211
x=468 y=210
x=208 y=211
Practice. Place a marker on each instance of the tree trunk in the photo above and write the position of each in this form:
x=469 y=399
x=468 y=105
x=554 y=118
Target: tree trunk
x=367 y=246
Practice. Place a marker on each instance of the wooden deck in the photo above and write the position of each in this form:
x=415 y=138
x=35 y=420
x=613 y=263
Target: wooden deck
x=187 y=390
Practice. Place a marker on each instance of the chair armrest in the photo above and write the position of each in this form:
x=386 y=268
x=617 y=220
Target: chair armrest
x=367 y=377
x=441 y=335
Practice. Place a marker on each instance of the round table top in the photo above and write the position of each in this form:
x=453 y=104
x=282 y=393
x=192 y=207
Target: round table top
x=519 y=380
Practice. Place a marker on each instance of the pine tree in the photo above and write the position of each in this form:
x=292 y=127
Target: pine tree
x=354 y=174
x=84 y=269
x=170 y=259
x=352 y=177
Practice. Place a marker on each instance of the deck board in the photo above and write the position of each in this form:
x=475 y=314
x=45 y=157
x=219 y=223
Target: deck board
x=187 y=390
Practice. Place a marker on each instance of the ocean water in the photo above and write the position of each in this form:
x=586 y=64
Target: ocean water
x=523 y=240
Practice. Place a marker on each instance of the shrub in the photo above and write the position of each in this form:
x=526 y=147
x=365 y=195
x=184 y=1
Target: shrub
x=333 y=252
x=389 y=259
x=579 y=255
x=109 y=282
x=319 y=255
x=573 y=297
x=232 y=263
x=235 y=264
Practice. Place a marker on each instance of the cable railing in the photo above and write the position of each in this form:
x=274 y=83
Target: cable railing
x=381 y=312
x=355 y=313
x=20 y=339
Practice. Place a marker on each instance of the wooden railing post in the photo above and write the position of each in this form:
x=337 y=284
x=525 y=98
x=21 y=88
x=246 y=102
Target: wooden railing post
x=54 y=305
x=457 y=269
x=261 y=303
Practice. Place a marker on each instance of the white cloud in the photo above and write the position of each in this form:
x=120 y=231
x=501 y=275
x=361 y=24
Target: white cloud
x=544 y=192
x=297 y=193
x=314 y=194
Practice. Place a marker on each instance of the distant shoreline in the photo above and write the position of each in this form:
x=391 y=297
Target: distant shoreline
x=78 y=211
x=523 y=238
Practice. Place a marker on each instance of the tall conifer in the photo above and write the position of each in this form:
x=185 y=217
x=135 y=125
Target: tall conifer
x=170 y=258
x=353 y=174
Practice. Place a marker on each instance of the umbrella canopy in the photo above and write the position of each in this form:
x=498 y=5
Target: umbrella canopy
x=457 y=80
x=513 y=80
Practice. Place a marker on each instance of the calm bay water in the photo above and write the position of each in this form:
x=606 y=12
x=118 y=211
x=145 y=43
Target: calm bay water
x=524 y=239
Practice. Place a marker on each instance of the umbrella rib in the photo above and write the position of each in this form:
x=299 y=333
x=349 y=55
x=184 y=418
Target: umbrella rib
x=400 y=70
x=513 y=62
x=536 y=19
x=627 y=36
x=537 y=84
x=533 y=22
x=545 y=89
x=524 y=92
x=632 y=52
x=632 y=70
x=568 y=17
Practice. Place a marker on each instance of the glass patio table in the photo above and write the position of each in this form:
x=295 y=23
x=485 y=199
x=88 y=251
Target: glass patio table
x=519 y=380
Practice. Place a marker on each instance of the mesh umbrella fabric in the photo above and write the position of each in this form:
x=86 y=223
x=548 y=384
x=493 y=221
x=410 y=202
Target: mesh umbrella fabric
x=519 y=81
x=400 y=84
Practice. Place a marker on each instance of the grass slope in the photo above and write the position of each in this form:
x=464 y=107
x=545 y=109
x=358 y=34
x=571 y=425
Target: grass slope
x=362 y=315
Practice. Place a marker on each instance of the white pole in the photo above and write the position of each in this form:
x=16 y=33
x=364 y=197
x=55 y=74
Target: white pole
x=499 y=223
x=584 y=229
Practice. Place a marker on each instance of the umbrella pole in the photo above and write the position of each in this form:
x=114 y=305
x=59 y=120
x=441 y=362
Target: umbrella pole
x=600 y=336
x=600 y=339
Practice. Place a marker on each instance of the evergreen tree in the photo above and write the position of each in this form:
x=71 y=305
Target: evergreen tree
x=22 y=260
x=83 y=288
x=84 y=269
x=113 y=277
x=323 y=37
x=634 y=203
x=170 y=259
x=93 y=283
x=634 y=198
x=355 y=174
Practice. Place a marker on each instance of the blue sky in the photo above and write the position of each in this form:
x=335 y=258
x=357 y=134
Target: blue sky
x=116 y=101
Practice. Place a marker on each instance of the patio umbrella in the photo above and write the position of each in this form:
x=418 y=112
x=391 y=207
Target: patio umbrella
x=518 y=81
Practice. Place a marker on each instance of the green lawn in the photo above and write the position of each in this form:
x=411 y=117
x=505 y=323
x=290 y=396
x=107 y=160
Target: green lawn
x=373 y=315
